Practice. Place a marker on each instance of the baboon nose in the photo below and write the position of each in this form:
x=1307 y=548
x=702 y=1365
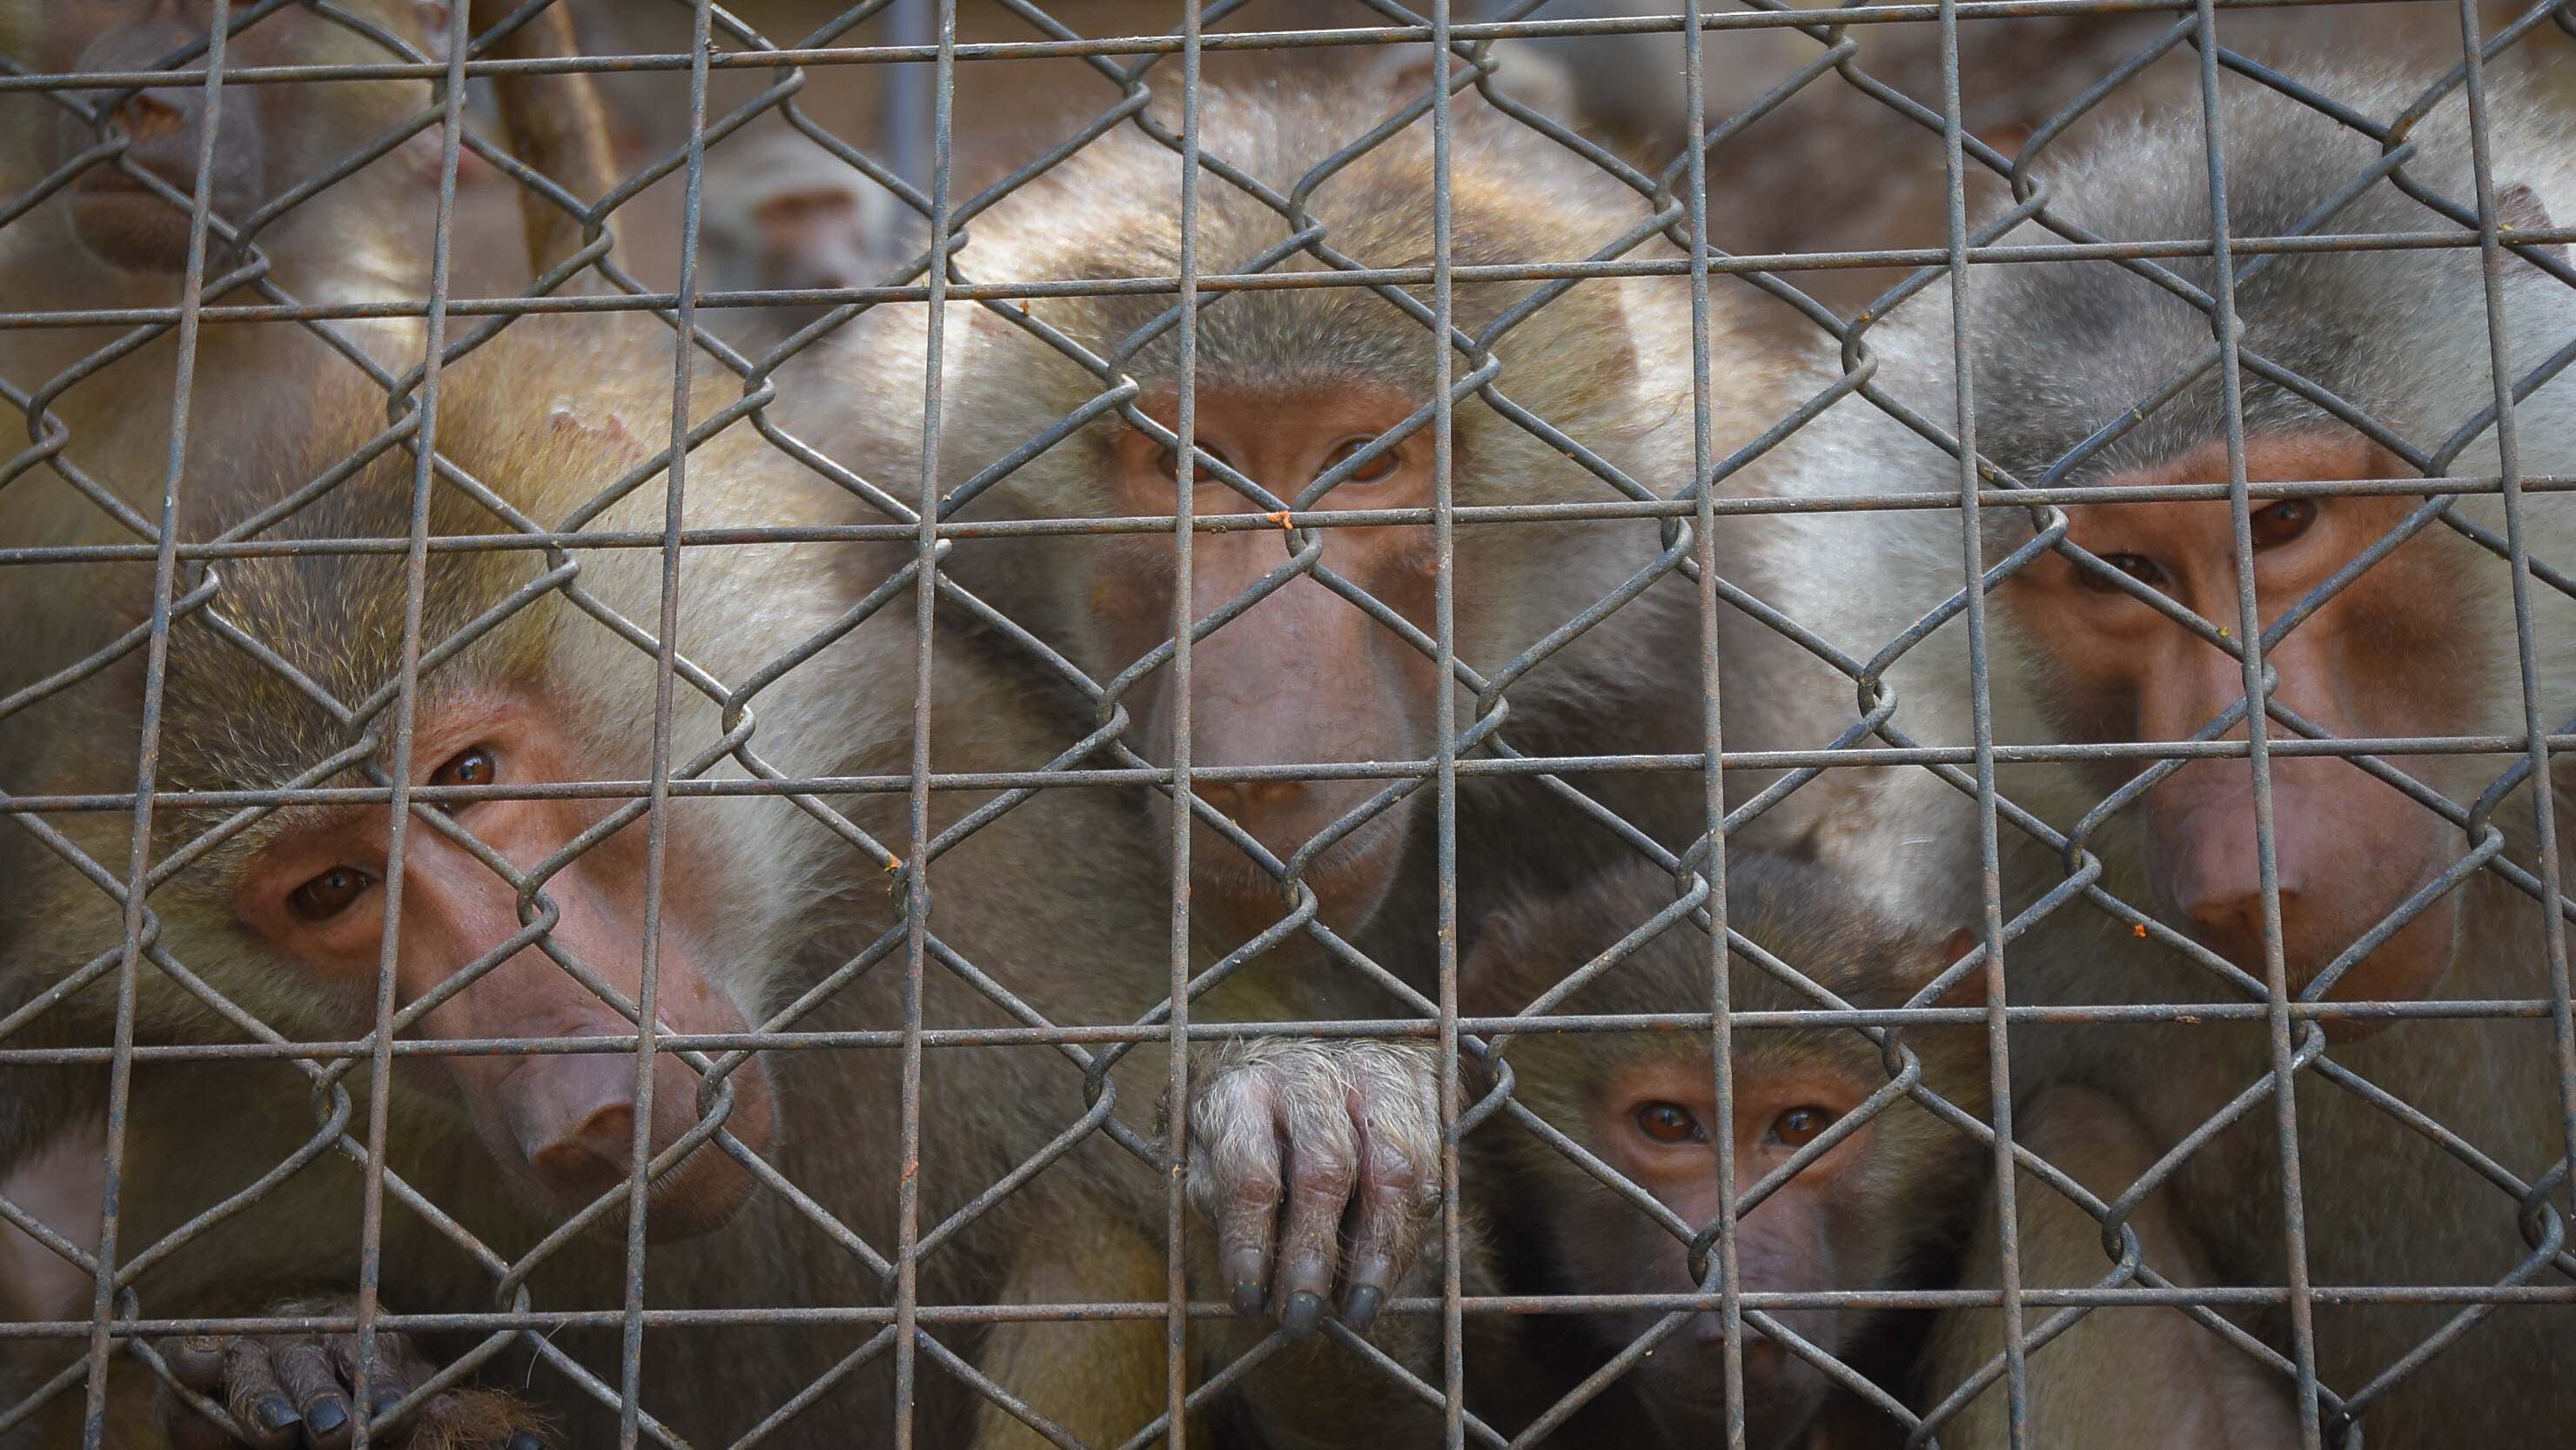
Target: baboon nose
x=575 y=1120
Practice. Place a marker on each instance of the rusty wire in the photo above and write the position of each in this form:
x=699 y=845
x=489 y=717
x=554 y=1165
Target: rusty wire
x=1130 y=67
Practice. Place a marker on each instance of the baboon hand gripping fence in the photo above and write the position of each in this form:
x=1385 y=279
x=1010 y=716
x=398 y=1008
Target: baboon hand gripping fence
x=66 y=1355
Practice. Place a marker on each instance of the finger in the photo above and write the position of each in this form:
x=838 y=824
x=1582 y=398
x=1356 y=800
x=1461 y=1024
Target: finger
x=253 y=1395
x=304 y=1370
x=1323 y=1166
x=1385 y=1234
x=195 y=1360
x=1399 y=1158
x=1235 y=1168
x=396 y=1370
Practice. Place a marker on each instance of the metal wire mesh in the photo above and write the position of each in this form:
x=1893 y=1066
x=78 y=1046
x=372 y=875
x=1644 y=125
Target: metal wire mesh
x=886 y=91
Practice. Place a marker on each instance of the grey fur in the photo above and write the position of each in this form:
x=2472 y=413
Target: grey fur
x=1607 y=362
x=2061 y=349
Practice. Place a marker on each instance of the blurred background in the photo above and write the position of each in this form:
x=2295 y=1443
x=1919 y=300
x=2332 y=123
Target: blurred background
x=1829 y=169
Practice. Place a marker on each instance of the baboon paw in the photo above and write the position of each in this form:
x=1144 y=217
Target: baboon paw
x=300 y=1392
x=1290 y=1142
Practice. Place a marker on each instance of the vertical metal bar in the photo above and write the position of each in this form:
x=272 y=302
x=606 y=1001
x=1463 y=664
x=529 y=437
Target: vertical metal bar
x=1972 y=547
x=371 y=1242
x=138 y=849
x=907 y=96
x=2249 y=628
x=2535 y=727
x=1721 y=994
x=657 y=815
x=916 y=901
x=1184 y=619
x=1444 y=614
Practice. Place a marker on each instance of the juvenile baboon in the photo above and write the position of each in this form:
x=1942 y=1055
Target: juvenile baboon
x=1292 y=1140
x=2386 y=612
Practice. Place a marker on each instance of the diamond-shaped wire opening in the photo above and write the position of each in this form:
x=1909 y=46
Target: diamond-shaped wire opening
x=736 y=698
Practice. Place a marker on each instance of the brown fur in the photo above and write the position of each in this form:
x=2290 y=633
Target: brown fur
x=359 y=240
x=555 y=119
x=1088 y=949
x=1900 y=1213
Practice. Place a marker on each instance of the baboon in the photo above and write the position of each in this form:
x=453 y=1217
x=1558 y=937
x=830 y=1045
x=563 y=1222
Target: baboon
x=281 y=912
x=1314 y=642
x=107 y=178
x=1836 y=165
x=108 y=235
x=1057 y=907
x=783 y=214
x=2385 y=612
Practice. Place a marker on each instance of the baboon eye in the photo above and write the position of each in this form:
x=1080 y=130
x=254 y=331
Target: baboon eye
x=1171 y=462
x=475 y=766
x=2137 y=566
x=2283 y=522
x=1800 y=1125
x=329 y=894
x=1376 y=470
x=1668 y=1123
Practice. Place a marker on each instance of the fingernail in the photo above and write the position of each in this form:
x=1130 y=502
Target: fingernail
x=276 y=1414
x=525 y=1441
x=1363 y=1309
x=325 y=1417
x=380 y=1402
x=1305 y=1311
x=1247 y=1296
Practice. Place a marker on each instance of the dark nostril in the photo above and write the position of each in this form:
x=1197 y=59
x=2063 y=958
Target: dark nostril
x=1273 y=795
x=2235 y=919
x=609 y=1133
x=145 y=117
x=600 y=1145
x=1247 y=800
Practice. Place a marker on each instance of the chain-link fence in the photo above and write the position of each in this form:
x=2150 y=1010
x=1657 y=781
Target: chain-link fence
x=642 y=810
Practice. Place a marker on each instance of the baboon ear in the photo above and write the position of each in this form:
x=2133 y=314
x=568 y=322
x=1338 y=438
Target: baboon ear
x=2520 y=209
